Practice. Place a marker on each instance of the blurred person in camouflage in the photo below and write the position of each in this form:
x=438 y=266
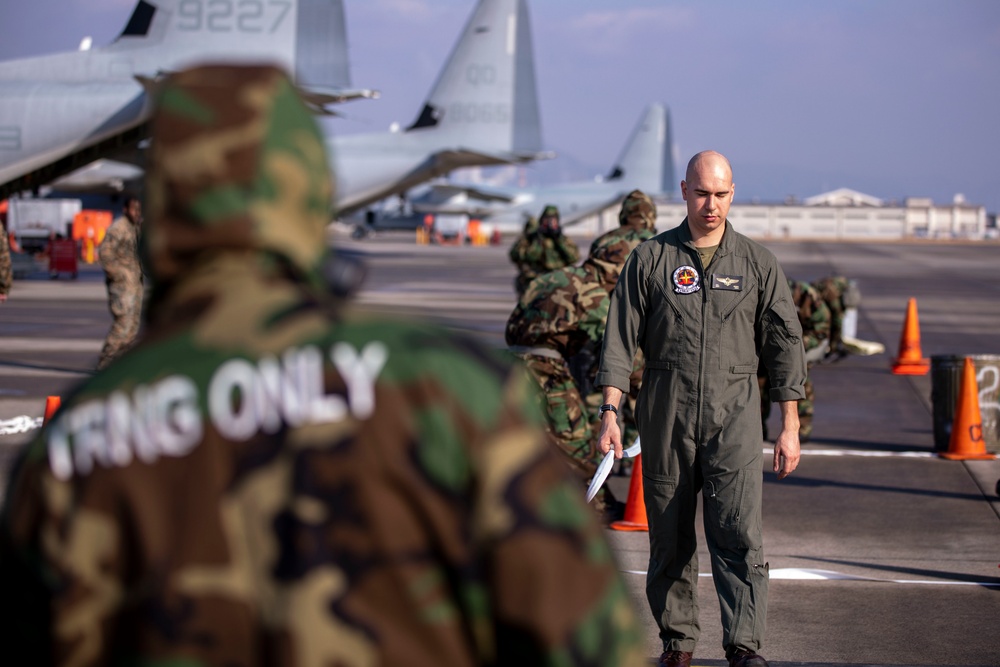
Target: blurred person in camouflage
x=119 y=255
x=562 y=313
x=841 y=295
x=263 y=480
x=824 y=306
x=815 y=319
x=6 y=267
x=541 y=248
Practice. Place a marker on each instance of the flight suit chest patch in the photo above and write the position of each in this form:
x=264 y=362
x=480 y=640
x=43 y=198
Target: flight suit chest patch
x=686 y=280
x=724 y=282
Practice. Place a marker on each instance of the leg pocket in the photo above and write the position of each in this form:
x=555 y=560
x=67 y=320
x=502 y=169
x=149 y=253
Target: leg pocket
x=732 y=509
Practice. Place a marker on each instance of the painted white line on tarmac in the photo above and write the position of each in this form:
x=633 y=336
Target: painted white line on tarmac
x=11 y=344
x=798 y=574
x=21 y=424
x=13 y=372
x=861 y=452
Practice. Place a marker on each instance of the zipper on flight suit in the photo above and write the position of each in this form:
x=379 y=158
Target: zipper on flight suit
x=701 y=355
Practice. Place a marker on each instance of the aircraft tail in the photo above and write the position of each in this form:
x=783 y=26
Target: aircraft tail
x=647 y=159
x=306 y=37
x=486 y=97
x=321 y=45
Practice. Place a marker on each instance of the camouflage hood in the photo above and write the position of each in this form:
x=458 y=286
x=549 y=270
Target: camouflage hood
x=530 y=225
x=235 y=172
x=609 y=252
x=638 y=211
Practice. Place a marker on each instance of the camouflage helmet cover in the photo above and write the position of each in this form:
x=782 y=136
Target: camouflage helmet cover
x=638 y=210
x=237 y=163
x=550 y=210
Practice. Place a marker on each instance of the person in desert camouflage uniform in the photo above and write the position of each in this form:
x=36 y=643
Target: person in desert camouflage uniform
x=119 y=255
x=815 y=318
x=541 y=247
x=561 y=313
x=262 y=481
x=6 y=268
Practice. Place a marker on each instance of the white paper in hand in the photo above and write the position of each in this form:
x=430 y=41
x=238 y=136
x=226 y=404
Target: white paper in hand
x=604 y=469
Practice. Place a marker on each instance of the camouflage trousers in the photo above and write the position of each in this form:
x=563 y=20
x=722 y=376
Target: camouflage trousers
x=565 y=412
x=125 y=304
x=805 y=408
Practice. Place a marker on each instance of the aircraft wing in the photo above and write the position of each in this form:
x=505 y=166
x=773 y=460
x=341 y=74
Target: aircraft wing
x=120 y=155
x=444 y=190
x=569 y=216
x=72 y=144
x=471 y=209
x=102 y=176
x=320 y=98
x=472 y=200
x=449 y=160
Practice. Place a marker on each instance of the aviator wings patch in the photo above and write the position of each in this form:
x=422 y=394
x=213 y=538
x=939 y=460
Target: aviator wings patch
x=731 y=283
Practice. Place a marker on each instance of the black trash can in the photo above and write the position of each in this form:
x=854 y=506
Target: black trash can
x=946 y=379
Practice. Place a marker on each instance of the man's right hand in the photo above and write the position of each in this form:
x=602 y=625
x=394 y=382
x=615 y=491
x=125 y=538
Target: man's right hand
x=611 y=436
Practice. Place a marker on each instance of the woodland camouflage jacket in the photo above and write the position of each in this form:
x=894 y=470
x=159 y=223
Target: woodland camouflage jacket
x=261 y=482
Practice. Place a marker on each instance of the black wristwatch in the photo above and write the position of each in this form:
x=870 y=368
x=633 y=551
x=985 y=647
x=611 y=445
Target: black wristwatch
x=607 y=406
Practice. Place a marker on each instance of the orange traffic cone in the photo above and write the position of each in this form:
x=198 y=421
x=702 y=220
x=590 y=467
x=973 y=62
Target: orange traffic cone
x=967 y=429
x=910 y=360
x=635 y=508
x=51 y=405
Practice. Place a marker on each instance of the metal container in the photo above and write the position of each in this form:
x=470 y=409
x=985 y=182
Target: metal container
x=946 y=378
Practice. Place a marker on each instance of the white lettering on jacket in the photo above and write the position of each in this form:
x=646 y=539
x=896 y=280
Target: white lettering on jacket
x=244 y=398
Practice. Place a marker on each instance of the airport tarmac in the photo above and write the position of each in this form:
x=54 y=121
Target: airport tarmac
x=880 y=552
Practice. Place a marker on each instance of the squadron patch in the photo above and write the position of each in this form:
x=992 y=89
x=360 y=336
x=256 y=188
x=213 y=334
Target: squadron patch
x=686 y=280
x=731 y=283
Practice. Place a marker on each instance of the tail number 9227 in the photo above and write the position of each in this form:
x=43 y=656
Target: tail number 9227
x=250 y=16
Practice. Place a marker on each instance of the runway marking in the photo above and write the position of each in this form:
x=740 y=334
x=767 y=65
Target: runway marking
x=798 y=574
x=12 y=344
x=861 y=452
x=21 y=424
x=15 y=372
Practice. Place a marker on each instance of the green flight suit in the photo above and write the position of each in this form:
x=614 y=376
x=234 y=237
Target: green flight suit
x=703 y=332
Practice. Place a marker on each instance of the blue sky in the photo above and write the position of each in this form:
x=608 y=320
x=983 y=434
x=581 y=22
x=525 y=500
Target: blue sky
x=895 y=98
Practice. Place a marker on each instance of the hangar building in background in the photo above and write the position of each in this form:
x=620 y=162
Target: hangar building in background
x=838 y=215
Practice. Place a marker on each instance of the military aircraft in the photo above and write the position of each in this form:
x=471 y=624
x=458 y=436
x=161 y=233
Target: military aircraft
x=646 y=163
x=482 y=110
x=61 y=112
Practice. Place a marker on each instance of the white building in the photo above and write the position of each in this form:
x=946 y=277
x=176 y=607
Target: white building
x=838 y=215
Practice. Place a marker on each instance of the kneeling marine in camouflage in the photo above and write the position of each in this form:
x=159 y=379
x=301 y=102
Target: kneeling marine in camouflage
x=560 y=314
x=636 y=219
x=814 y=316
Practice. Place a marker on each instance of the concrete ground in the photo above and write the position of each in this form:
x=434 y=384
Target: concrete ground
x=880 y=552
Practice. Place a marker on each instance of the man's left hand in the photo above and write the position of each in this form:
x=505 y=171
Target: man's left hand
x=787 y=452
x=786 y=448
